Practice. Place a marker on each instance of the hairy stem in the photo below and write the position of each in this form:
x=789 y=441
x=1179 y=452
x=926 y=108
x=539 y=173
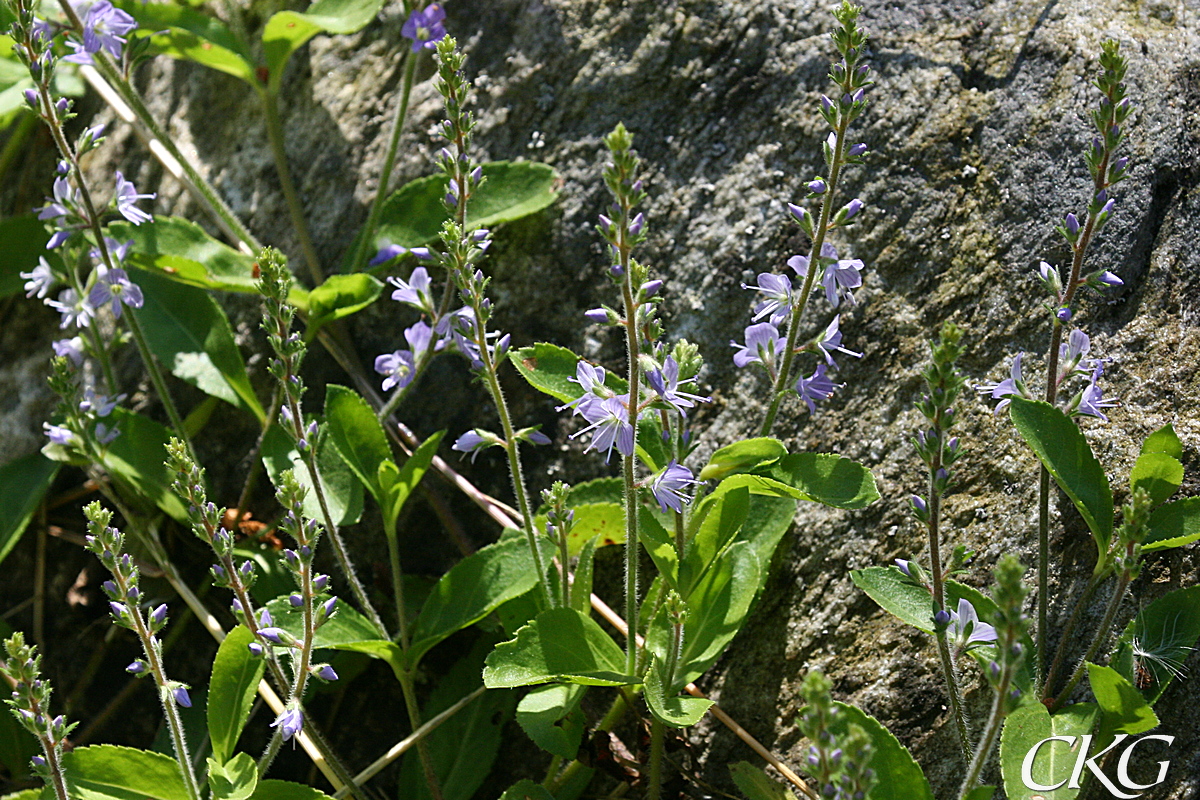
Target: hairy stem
x=1072 y=621
x=1102 y=633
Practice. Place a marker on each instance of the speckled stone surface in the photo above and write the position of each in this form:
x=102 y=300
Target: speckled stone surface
x=975 y=126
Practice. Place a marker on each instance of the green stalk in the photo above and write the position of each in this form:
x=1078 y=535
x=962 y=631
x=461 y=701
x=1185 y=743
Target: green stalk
x=990 y=733
x=783 y=378
x=367 y=239
x=1072 y=621
x=275 y=135
x=629 y=462
x=657 y=731
x=1102 y=632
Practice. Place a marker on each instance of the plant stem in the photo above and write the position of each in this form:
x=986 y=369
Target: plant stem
x=295 y=208
x=414 y=720
x=995 y=721
x=956 y=704
x=657 y=730
x=783 y=378
x=367 y=238
x=629 y=462
x=1102 y=632
x=55 y=768
x=1072 y=621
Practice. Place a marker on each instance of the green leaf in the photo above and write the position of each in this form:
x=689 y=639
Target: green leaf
x=660 y=545
x=231 y=691
x=356 y=433
x=1156 y=643
x=34 y=794
x=526 y=790
x=603 y=520
x=138 y=457
x=189 y=334
x=723 y=518
x=183 y=252
x=561 y=645
x=668 y=707
x=1054 y=762
x=1164 y=440
x=651 y=448
x=581 y=588
x=23 y=484
x=109 y=772
x=742 y=456
x=551 y=369
x=755 y=784
x=189 y=34
x=912 y=604
x=287 y=31
x=343 y=491
x=897 y=776
x=413 y=215
x=1122 y=707
x=24 y=240
x=1062 y=449
x=718 y=606
x=471 y=590
x=463 y=747
x=233 y=780
x=397 y=485
x=345 y=630
x=1173 y=525
x=286 y=790
x=551 y=717
x=827 y=478
x=1159 y=474
x=339 y=297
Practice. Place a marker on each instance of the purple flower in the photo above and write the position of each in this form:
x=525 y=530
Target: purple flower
x=591 y=379
x=289 y=723
x=60 y=206
x=609 y=420
x=419 y=337
x=831 y=342
x=159 y=615
x=840 y=277
x=385 y=254
x=40 y=280
x=74 y=310
x=763 y=344
x=850 y=209
x=597 y=315
x=255 y=649
x=180 y=693
x=69 y=348
x=103 y=29
x=800 y=263
x=326 y=673
x=665 y=383
x=115 y=287
x=1013 y=387
x=1077 y=346
x=904 y=567
x=274 y=635
x=669 y=485
x=1107 y=278
x=99 y=404
x=424 y=27
x=416 y=291
x=1091 y=399
x=856 y=150
x=398 y=367
x=966 y=629
x=473 y=442
x=127 y=195
x=817 y=186
x=137 y=667
x=1072 y=224
x=816 y=387
x=459 y=328
x=778 y=292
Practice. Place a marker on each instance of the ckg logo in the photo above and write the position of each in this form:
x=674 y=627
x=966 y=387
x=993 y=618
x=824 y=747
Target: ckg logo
x=1125 y=788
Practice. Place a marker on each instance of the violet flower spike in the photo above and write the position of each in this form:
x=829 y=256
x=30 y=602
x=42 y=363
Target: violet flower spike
x=103 y=29
x=398 y=369
x=669 y=485
x=424 y=27
x=127 y=195
x=816 y=387
x=385 y=254
x=591 y=378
